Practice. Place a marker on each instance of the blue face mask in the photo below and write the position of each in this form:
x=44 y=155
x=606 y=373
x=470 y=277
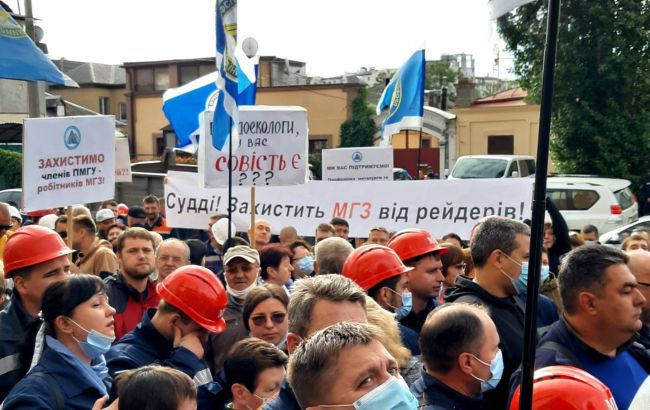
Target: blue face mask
x=96 y=344
x=496 y=369
x=306 y=265
x=407 y=304
x=393 y=394
x=521 y=284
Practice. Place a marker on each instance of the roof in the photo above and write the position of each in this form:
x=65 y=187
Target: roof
x=85 y=73
x=199 y=60
x=508 y=98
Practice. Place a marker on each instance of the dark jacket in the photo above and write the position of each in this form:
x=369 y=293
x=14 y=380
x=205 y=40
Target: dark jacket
x=561 y=346
x=17 y=334
x=286 y=400
x=130 y=305
x=435 y=395
x=409 y=339
x=219 y=343
x=508 y=316
x=57 y=375
x=644 y=336
x=546 y=312
x=562 y=242
x=415 y=321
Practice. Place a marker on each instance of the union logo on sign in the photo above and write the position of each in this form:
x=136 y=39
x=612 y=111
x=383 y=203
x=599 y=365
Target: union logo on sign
x=357 y=156
x=72 y=137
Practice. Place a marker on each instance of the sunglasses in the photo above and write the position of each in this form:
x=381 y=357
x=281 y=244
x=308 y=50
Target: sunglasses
x=277 y=318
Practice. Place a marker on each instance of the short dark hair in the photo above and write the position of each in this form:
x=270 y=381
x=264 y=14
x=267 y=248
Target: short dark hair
x=61 y=298
x=234 y=241
x=258 y=295
x=167 y=308
x=494 y=233
x=154 y=388
x=62 y=219
x=110 y=202
x=339 y=221
x=85 y=223
x=197 y=250
x=450 y=330
x=390 y=283
x=326 y=228
x=298 y=243
x=134 y=233
x=150 y=199
x=271 y=257
x=583 y=269
x=453 y=256
x=590 y=229
x=452 y=235
x=248 y=358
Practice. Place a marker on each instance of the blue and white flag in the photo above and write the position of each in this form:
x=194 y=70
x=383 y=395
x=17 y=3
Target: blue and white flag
x=21 y=59
x=404 y=97
x=500 y=7
x=226 y=116
x=183 y=105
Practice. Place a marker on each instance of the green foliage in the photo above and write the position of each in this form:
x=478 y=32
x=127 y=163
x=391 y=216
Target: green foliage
x=438 y=74
x=601 y=106
x=360 y=129
x=11 y=169
x=316 y=162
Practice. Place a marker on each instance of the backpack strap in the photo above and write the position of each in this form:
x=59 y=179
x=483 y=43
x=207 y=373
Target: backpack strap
x=53 y=387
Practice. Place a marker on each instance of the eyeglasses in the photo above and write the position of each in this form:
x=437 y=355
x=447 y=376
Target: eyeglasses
x=643 y=283
x=276 y=317
x=461 y=266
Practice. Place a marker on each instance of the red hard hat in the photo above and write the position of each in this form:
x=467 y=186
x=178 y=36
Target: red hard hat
x=410 y=243
x=369 y=265
x=41 y=212
x=198 y=293
x=31 y=245
x=567 y=388
x=122 y=210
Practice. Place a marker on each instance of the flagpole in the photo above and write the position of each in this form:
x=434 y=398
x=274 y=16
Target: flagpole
x=539 y=206
x=230 y=178
x=32 y=86
x=417 y=166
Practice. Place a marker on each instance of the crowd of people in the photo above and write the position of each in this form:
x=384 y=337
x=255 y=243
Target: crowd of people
x=133 y=314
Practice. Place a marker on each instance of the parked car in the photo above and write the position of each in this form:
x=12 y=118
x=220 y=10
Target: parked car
x=618 y=235
x=12 y=197
x=606 y=203
x=493 y=166
x=400 y=174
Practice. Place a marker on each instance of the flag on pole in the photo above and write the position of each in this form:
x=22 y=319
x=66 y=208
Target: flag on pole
x=501 y=7
x=404 y=97
x=226 y=113
x=21 y=59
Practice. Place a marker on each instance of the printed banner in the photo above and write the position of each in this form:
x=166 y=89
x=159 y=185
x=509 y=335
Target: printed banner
x=122 y=160
x=272 y=149
x=440 y=206
x=68 y=160
x=358 y=164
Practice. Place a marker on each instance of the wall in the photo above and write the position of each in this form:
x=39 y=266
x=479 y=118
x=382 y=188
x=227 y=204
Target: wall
x=149 y=119
x=88 y=97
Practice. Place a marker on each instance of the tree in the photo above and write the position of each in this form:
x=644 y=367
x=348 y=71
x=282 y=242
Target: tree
x=438 y=74
x=360 y=129
x=11 y=170
x=601 y=106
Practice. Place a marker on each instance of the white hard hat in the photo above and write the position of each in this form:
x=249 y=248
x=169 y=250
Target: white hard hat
x=48 y=221
x=220 y=230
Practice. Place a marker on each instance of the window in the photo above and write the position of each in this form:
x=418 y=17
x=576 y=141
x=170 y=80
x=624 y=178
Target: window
x=317 y=145
x=152 y=79
x=501 y=145
x=192 y=72
x=161 y=78
x=121 y=112
x=573 y=200
x=104 y=105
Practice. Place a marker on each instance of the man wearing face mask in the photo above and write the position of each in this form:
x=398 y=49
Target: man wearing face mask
x=242 y=268
x=547 y=312
x=460 y=349
x=345 y=365
x=500 y=248
x=303 y=260
x=380 y=272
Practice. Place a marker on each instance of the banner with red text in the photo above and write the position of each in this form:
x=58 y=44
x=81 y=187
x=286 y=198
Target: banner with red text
x=440 y=206
x=272 y=149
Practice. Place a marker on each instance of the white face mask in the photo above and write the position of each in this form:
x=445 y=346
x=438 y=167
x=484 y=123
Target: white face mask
x=240 y=294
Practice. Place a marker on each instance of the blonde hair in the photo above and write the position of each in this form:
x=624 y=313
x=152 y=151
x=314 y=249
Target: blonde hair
x=385 y=321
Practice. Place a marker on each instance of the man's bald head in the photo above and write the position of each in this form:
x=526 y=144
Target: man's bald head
x=639 y=264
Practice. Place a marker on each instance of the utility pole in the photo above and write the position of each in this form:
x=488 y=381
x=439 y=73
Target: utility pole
x=33 y=99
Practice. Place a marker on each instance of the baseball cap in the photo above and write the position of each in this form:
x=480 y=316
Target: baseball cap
x=137 y=212
x=104 y=215
x=242 y=251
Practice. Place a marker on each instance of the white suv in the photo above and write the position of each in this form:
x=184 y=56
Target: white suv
x=493 y=166
x=606 y=203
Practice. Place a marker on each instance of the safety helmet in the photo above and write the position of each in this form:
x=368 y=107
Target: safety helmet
x=369 y=265
x=410 y=243
x=31 y=245
x=122 y=210
x=48 y=221
x=198 y=293
x=567 y=388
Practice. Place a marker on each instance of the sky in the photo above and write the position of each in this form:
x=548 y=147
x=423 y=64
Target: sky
x=332 y=37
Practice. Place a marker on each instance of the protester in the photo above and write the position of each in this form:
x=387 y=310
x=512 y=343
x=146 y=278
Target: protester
x=113 y=233
x=634 y=242
x=332 y=369
x=16 y=218
x=265 y=314
x=241 y=274
x=331 y=254
x=61 y=226
x=639 y=264
x=95 y=255
x=197 y=250
x=261 y=233
x=469 y=263
x=71 y=372
x=576 y=240
x=122 y=214
x=275 y=264
x=453 y=239
x=111 y=205
x=302 y=260
x=378 y=235
x=131 y=292
x=156 y=388
x=500 y=249
x=453 y=266
x=34 y=257
x=171 y=254
x=78 y=210
x=602 y=311
x=5 y=225
x=104 y=219
x=214 y=245
x=341 y=227
x=417 y=249
x=590 y=234
x=136 y=217
x=462 y=360
x=288 y=234
x=324 y=231
x=556 y=237
x=254 y=370
x=155 y=221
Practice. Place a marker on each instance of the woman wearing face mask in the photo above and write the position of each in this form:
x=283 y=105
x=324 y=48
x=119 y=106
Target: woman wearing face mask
x=71 y=372
x=265 y=314
x=302 y=260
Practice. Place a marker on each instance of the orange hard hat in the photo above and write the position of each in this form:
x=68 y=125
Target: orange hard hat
x=198 y=293
x=567 y=388
x=31 y=245
x=410 y=243
x=369 y=265
x=122 y=210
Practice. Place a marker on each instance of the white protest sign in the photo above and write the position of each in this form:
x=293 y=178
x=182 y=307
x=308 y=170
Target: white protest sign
x=272 y=149
x=68 y=160
x=122 y=160
x=358 y=164
x=440 y=206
